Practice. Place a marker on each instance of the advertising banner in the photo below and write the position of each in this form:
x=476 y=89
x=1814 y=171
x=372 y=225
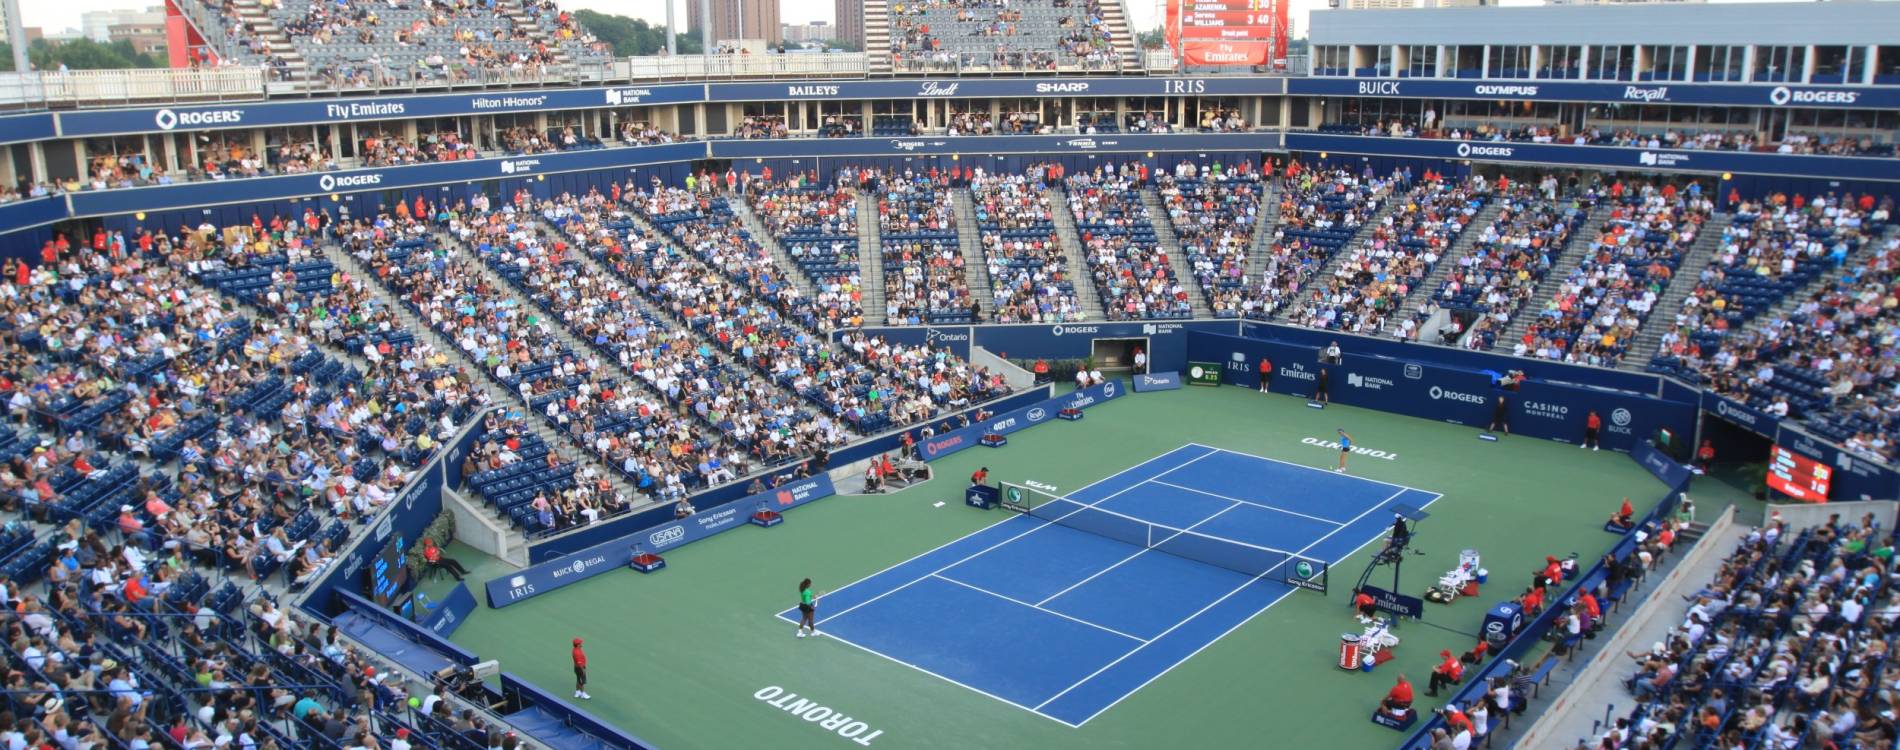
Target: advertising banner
x=1661 y=465
x=1029 y=416
x=1852 y=477
x=1602 y=157
x=1158 y=381
x=451 y=611
x=540 y=579
x=1430 y=390
x=1204 y=373
x=1741 y=415
x=1660 y=92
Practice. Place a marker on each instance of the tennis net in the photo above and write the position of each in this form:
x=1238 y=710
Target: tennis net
x=1240 y=557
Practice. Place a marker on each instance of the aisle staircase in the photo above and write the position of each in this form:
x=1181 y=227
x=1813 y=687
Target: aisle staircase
x=1662 y=316
x=871 y=261
x=1428 y=288
x=1573 y=254
x=790 y=268
x=1177 y=258
x=976 y=269
x=1086 y=298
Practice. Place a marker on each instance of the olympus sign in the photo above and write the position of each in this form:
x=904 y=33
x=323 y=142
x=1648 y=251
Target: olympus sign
x=1440 y=394
x=168 y=119
x=1494 y=90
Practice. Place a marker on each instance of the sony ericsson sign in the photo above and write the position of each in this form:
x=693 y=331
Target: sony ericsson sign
x=1019 y=419
x=167 y=119
x=613 y=555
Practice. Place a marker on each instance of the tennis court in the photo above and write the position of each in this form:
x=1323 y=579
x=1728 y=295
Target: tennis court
x=1094 y=593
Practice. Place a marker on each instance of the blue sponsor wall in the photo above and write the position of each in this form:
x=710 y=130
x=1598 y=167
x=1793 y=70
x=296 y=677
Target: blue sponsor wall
x=1464 y=359
x=1859 y=174
x=1157 y=381
x=27 y=128
x=1430 y=390
x=600 y=533
x=1014 y=420
x=544 y=577
x=1760 y=95
x=1040 y=145
x=450 y=612
x=93 y=122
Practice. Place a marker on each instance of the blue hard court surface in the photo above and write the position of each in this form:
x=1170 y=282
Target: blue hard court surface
x=1066 y=623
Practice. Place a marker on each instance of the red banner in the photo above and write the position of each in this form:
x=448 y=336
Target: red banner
x=1226 y=33
x=1214 y=52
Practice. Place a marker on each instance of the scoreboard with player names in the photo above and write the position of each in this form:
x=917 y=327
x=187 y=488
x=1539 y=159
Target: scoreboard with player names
x=1798 y=476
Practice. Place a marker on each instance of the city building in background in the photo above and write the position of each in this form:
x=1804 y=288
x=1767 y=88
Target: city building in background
x=97 y=24
x=146 y=38
x=848 y=17
x=816 y=31
x=738 y=19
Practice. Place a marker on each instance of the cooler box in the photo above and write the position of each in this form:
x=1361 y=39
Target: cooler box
x=1349 y=652
x=1502 y=622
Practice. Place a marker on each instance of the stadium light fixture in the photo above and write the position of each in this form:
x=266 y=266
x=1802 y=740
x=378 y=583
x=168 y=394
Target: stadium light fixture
x=140 y=216
x=1726 y=176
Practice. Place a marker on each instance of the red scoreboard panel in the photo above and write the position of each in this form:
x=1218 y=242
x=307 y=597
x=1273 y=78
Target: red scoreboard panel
x=1798 y=476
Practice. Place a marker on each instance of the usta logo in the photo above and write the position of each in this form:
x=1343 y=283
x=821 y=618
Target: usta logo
x=667 y=536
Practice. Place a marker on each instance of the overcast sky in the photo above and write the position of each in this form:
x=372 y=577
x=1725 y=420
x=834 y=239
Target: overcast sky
x=63 y=14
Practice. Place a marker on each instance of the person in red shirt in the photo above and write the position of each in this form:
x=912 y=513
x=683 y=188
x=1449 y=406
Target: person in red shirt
x=1448 y=672
x=1532 y=601
x=1362 y=601
x=1591 y=425
x=1625 y=516
x=1398 y=700
x=1266 y=373
x=580 y=672
x=1553 y=572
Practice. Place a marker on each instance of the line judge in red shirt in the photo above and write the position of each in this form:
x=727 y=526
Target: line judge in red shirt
x=580 y=672
x=1398 y=700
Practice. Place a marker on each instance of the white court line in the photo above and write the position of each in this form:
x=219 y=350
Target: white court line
x=978 y=691
x=1045 y=524
x=1037 y=607
x=1138 y=553
x=1216 y=602
x=1274 y=508
x=1250 y=618
x=1310 y=468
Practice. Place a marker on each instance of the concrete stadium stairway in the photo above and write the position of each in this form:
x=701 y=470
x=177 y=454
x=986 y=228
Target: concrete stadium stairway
x=871 y=261
x=1121 y=33
x=1662 y=317
x=1389 y=202
x=877 y=44
x=1086 y=298
x=1572 y=255
x=976 y=268
x=1263 y=231
x=1177 y=257
x=496 y=393
x=1423 y=293
x=756 y=227
x=254 y=16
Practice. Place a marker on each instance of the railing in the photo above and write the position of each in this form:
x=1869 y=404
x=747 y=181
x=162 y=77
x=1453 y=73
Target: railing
x=93 y=87
x=702 y=67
